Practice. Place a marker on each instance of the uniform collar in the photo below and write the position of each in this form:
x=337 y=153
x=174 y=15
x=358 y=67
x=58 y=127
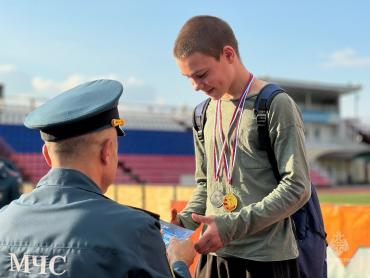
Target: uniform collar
x=68 y=177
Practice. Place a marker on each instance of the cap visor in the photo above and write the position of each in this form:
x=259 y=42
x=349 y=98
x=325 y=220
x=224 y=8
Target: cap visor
x=120 y=131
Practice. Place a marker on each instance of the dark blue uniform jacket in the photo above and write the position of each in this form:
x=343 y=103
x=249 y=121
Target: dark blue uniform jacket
x=65 y=227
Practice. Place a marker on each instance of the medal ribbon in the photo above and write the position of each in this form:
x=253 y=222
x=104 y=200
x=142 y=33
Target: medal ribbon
x=236 y=117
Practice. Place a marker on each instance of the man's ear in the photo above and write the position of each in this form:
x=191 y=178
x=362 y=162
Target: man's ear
x=45 y=153
x=105 y=151
x=229 y=53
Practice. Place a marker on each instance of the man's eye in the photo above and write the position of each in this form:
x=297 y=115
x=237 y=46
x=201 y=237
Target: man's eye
x=202 y=75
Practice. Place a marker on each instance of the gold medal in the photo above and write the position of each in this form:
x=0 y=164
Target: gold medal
x=230 y=202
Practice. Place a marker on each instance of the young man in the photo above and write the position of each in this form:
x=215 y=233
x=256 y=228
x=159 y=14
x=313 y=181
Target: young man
x=66 y=227
x=248 y=230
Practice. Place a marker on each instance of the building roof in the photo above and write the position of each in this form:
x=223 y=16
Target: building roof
x=314 y=87
x=361 y=152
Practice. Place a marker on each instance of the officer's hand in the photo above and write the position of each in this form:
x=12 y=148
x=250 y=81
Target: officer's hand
x=181 y=250
x=175 y=219
x=210 y=240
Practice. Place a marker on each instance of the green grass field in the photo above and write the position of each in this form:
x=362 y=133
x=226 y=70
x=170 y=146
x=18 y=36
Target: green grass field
x=353 y=198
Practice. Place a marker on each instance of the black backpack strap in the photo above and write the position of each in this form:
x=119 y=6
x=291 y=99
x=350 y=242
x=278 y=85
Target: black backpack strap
x=261 y=108
x=199 y=118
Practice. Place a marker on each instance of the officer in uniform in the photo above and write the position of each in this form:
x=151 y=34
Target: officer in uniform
x=66 y=227
x=10 y=179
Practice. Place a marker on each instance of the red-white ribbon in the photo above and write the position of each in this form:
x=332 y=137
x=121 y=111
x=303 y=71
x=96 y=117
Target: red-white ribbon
x=220 y=160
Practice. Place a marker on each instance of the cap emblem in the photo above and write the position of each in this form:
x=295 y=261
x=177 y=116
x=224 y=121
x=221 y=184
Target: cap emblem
x=117 y=122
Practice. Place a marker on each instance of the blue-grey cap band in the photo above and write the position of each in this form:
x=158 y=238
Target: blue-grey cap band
x=98 y=122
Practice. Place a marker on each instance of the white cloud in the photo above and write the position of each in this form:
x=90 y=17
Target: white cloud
x=346 y=58
x=41 y=84
x=14 y=80
x=160 y=101
x=133 y=81
x=44 y=85
x=135 y=89
x=7 y=68
x=40 y=87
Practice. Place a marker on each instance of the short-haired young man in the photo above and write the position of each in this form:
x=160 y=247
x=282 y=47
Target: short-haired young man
x=246 y=212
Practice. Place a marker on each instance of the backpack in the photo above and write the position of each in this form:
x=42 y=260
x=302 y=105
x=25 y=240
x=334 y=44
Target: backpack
x=307 y=221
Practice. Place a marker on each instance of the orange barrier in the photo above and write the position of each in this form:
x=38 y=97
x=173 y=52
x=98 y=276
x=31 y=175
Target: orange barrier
x=347 y=227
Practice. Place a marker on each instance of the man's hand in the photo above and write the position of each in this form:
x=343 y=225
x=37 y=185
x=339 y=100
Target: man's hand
x=181 y=250
x=210 y=240
x=175 y=219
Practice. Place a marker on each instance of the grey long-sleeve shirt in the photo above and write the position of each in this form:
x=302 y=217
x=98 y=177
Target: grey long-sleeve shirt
x=259 y=228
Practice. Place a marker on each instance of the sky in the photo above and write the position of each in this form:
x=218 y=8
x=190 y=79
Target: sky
x=50 y=46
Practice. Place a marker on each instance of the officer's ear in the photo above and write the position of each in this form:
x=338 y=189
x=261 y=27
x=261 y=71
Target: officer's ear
x=46 y=155
x=105 y=151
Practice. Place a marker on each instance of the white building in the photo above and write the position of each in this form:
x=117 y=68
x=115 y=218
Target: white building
x=331 y=141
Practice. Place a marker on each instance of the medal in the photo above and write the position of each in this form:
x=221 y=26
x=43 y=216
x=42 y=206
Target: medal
x=217 y=198
x=230 y=202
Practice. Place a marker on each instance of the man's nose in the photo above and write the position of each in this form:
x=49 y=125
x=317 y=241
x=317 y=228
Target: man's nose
x=197 y=85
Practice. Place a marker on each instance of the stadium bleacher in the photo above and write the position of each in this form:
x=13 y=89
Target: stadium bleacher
x=158 y=148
